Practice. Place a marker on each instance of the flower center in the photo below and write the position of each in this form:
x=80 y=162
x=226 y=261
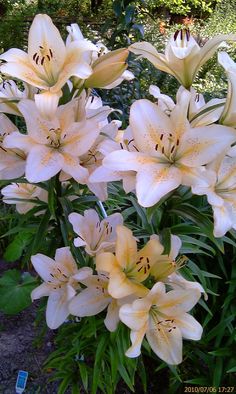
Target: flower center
x=161 y=324
x=54 y=138
x=182 y=37
x=103 y=232
x=43 y=59
x=167 y=146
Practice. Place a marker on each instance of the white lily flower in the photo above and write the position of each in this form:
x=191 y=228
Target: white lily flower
x=228 y=116
x=183 y=56
x=61 y=277
x=97 y=236
x=221 y=193
x=123 y=140
x=10 y=95
x=49 y=63
x=163 y=318
x=55 y=145
x=87 y=108
x=12 y=161
x=13 y=193
x=95 y=298
x=75 y=34
x=169 y=152
x=128 y=268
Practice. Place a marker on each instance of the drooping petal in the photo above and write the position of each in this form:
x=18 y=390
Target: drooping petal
x=189 y=327
x=40 y=291
x=136 y=339
x=222 y=219
x=148 y=51
x=57 y=309
x=42 y=163
x=155 y=181
x=112 y=318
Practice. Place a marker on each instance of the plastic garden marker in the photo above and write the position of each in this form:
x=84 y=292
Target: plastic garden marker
x=21 y=381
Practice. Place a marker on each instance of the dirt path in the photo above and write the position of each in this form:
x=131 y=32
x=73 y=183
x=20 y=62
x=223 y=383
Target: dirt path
x=18 y=351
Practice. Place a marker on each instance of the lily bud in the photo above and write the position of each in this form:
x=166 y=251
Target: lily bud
x=107 y=68
x=165 y=267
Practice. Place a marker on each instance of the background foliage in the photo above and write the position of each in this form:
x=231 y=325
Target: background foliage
x=89 y=359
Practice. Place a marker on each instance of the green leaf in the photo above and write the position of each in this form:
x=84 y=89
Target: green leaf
x=166 y=240
x=52 y=202
x=16 y=248
x=231 y=370
x=84 y=375
x=15 y=290
x=224 y=351
x=42 y=230
x=218 y=370
x=200 y=381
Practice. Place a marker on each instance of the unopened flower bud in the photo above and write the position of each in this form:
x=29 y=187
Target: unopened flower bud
x=107 y=68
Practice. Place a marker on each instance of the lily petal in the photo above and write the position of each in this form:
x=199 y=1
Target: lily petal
x=189 y=327
x=42 y=163
x=89 y=302
x=57 y=309
x=155 y=181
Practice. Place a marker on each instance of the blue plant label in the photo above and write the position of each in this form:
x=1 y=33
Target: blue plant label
x=21 y=381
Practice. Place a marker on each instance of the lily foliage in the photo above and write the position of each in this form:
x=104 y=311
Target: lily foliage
x=120 y=270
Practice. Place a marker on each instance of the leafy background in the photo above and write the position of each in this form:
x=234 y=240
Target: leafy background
x=91 y=359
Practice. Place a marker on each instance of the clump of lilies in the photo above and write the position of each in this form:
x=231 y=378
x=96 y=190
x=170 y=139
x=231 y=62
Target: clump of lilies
x=68 y=135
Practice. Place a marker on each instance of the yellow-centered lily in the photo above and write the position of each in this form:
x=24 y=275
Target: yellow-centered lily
x=163 y=318
x=61 y=281
x=128 y=268
x=95 y=235
x=168 y=151
x=221 y=192
x=56 y=144
x=183 y=56
x=19 y=193
x=49 y=63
